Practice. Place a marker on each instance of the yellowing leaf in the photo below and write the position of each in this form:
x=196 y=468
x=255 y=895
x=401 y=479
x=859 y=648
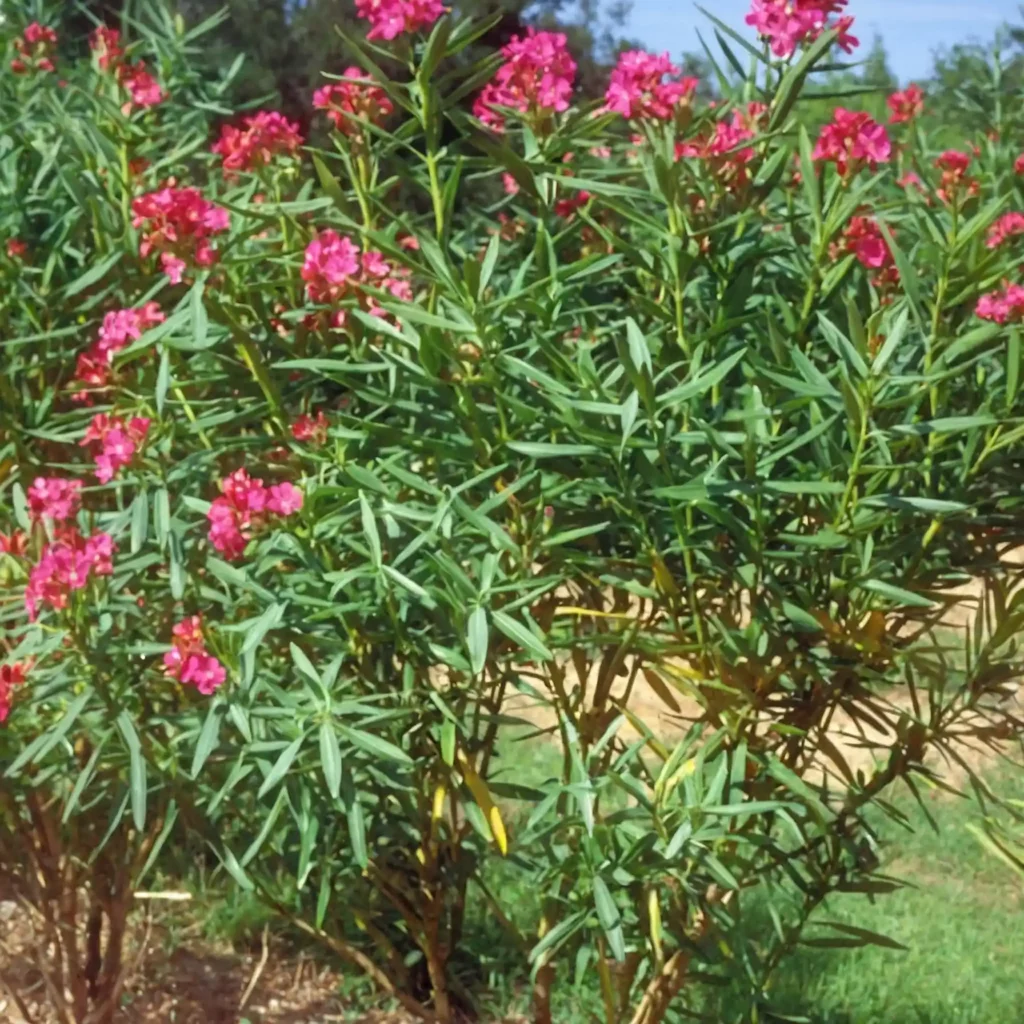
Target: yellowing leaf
x=482 y=796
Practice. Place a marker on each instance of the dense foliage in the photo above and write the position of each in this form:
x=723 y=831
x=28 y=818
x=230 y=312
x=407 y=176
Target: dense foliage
x=338 y=483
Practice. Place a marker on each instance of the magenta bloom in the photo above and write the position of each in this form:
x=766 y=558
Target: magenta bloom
x=306 y=428
x=106 y=44
x=1008 y=226
x=142 y=87
x=906 y=105
x=335 y=269
x=67 y=565
x=853 y=140
x=114 y=442
x=637 y=89
x=262 y=136
x=536 y=79
x=1005 y=307
x=244 y=507
x=35 y=49
x=10 y=676
x=54 y=498
x=188 y=660
x=390 y=18
x=331 y=261
x=787 y=24
x=119 y=328
x=178 y=223
x=348 y=103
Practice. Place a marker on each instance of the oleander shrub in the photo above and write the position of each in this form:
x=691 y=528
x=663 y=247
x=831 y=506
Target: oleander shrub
x=341 y=483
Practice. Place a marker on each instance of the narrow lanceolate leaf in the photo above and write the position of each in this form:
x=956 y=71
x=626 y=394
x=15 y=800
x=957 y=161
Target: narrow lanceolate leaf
x=137 y=784
x=281 y=766
x=476 y=639
x=611 y=920
x=330 y=758
x=519 y=634
x=370 y=529
x=482 y=796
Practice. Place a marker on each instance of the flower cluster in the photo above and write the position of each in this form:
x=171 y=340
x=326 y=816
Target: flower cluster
x=142 y=88
x=348 y=103
x=261 y=137
x=54 y=498
x=16 y=248
x=114 y=442
x=1008 y=226
x=244 y=507
x=536 y=79
x=306 y=428
x=35 y=48
x=906 y=105
x=1003 y=307
x=188 y=660
x=637 y=89
x=11 y=675
x=14 y=543
x=853 y=140
x=390 y=18
x=106 y=44
x=787 y=24
x=334 y=269
x=956 y=184
x=723 y=150
x=864 y=239
x=118 y=329
x=66 y=565
x=178 y=223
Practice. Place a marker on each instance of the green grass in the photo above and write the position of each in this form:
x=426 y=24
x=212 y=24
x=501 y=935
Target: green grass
x=960 y=919
x=961 y=923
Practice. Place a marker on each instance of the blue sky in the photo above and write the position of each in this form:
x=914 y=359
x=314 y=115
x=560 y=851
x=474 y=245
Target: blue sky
x=912 y=29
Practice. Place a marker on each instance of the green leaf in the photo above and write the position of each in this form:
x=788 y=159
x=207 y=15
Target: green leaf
x=476 y=639
x=608 y=915
x=897 y=594
x=357 y=832
x=550 y=450
x=258 y=630
x=94 y=274
x=140 y=521
x=303 y=664
x=330 y=758
x=370 y=530
x=519 y=634
x=208 y=737
x=375 y=745
x=137 y=784
x=281 y=766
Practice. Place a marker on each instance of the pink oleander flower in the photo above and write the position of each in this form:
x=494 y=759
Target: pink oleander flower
x=906 y=105
x=853 y=140
x=243 y=508
x=331 y=262
x=1018 y=165
x=114 y=442
x=335 y=269
x=178 y=223
x=262 y=136
x=637 y=89
x=1002 y=307
x=143 y=89
x=787 y=24
x=1008 y=226
x=14 y=544
x=16 y=249
x=390 y=18
x=956 y=184
x=569 y=205
x=189 y=662
x=536 y=79
x=35 y=48
x=106 y=44
x=349 y=103
x=723 y=150
x=54 y=498
x=305 y=428
x=66 y=565
x=910 y=180
x=11 y=675
x=864 y=239
x=119 y=328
